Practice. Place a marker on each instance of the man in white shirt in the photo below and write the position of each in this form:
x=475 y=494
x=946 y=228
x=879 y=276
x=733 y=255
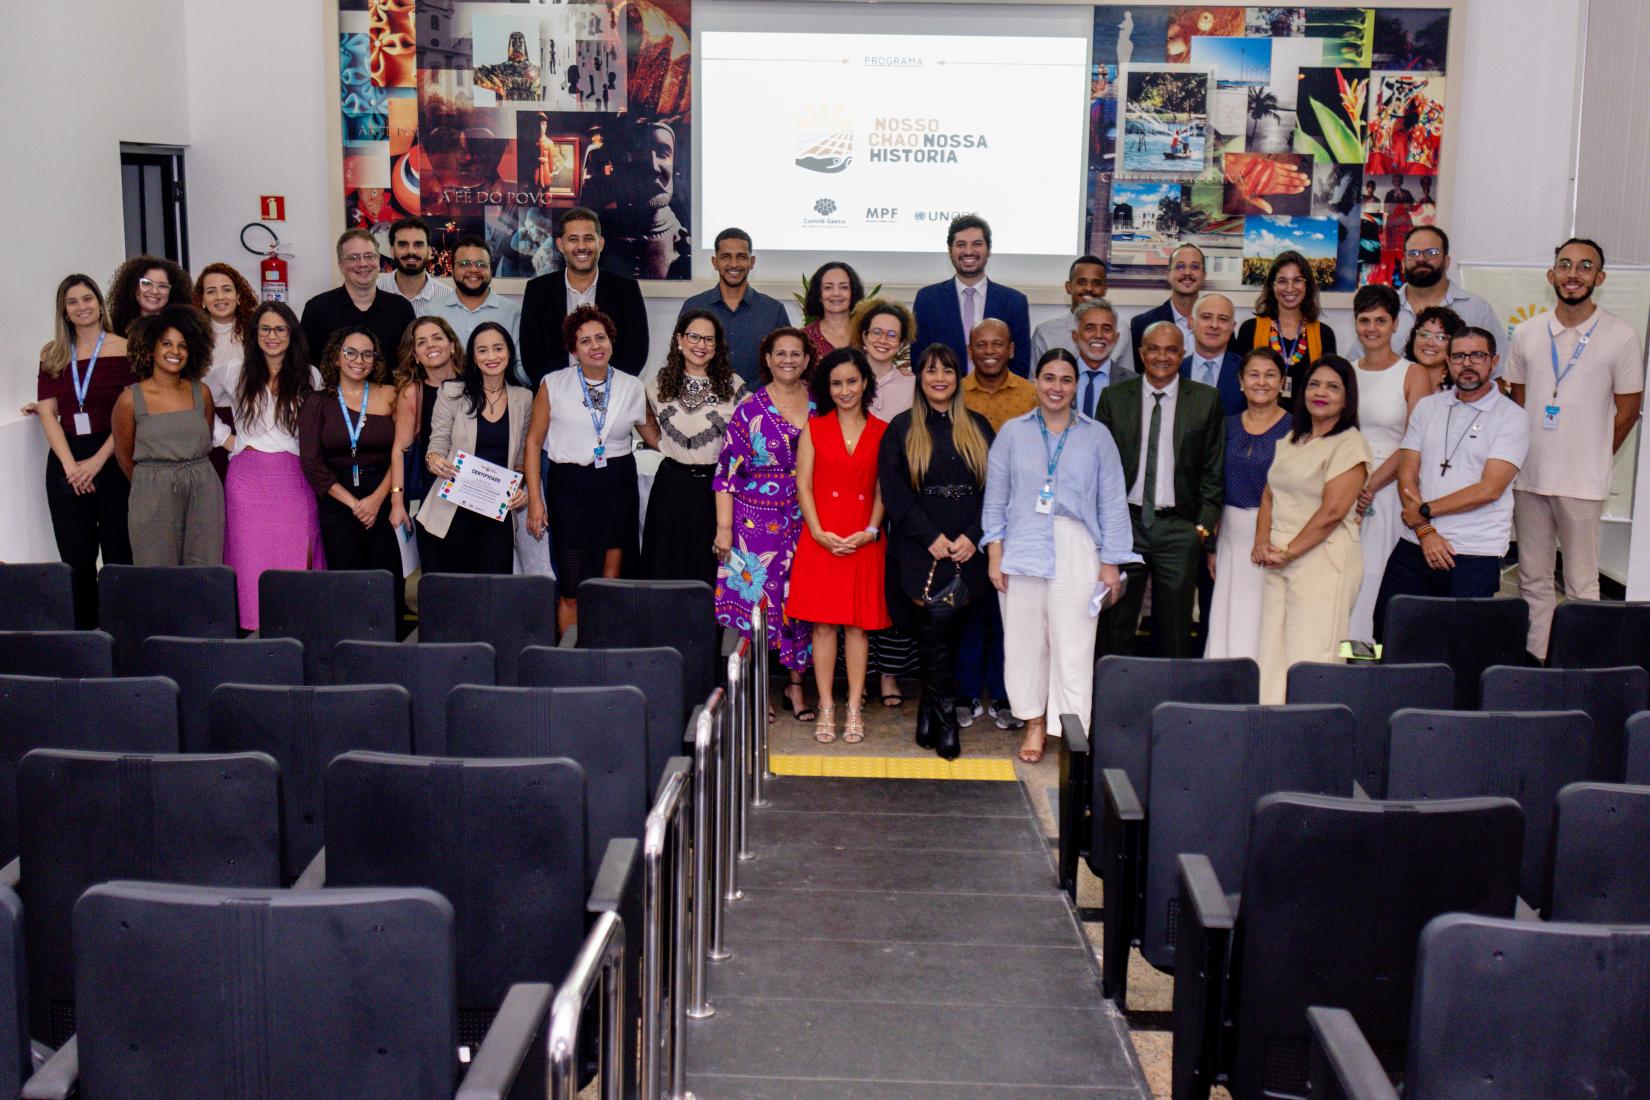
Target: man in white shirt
x=1579 y=373
x=1094 y=339
x=475 y=299
x=1426 y=283
x=410 y=249
x=1456 y=465
x=1085 y=282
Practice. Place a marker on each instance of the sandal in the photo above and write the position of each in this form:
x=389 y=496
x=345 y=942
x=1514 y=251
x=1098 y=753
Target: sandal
x=824 y=723
x=853 y=728
x=892 y=698
x=804 y=713
x=1029 y=755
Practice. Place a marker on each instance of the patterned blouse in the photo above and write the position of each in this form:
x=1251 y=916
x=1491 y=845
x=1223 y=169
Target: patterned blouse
x=692 y=424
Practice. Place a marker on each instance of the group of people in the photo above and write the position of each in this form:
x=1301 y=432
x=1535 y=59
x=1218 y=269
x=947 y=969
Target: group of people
x=939 y=491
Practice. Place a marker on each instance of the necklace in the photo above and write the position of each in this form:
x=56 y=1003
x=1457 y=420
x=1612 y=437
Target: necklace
x=595 y=393
x=1297 y=347
x=1443 y=467
x=493 y=397
x=695 y=392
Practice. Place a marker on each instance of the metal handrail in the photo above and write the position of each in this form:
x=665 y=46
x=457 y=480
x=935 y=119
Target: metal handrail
x=706 y=896
x=760 y=771
x=731 y=828
x=665 y=920
x=600 y=959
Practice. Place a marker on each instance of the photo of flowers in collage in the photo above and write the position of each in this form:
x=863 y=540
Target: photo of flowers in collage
x=1248 y=130
x=490 y=118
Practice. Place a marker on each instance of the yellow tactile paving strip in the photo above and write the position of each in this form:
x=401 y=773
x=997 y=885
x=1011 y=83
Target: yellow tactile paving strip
x=892 y=767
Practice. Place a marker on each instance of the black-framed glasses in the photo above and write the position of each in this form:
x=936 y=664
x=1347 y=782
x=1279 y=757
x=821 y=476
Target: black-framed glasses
x=273 y=330
x=356 y=355
x=700 y=339
x=1423 y=253
x=1476 y=358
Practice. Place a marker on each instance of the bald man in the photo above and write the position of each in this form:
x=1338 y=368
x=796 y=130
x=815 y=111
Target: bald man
x=990 y=387
x=1211 y=361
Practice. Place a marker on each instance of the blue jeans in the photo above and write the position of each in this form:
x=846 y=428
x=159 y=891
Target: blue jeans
x=980 y=650
x=1408 y=574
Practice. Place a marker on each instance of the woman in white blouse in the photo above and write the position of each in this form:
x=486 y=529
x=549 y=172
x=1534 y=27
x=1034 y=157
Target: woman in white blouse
x=269 y=507
x=584 y=418
x=229 y=303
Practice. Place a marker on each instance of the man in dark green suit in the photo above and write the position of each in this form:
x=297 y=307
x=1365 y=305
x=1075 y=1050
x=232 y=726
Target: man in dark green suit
x=1171 y=435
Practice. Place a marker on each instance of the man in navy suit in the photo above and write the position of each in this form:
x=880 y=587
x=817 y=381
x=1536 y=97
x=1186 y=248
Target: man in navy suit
x=947 y=312
x=1186 y=277
x=1212 y=360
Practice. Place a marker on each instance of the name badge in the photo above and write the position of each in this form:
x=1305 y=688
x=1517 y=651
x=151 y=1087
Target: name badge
x=601 y=458
x=1549 y=418
x=1045 y=499
x=82 y=423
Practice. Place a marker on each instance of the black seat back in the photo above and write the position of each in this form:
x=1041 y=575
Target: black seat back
x=36 y=596
x=103 y=715
x=88 y=817
x=1335 y=892
x=1208 y=766
x=1607 y=695
x=656 y=672
x=303 y=728
x=199 y=666
x=321 y=609
x=617 y=614
x=1373 y=691
x=508 y=613
x=1559 y=1011
x=1467 y=634
x=428 y=670
x=187 y=601
x=603 y=730
x=1601 y=840
x=1600 y=634
x=325 y=993
x=502 y=840
x=1636 y=767
x=1468 y=754
x=15 y=1062
x=56 y=653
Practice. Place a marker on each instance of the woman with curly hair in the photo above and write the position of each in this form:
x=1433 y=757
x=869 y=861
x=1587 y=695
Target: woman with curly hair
x=163 y=434
x=583 y=418
x=272 y=521
x=145 y=285
x=690 y=402
x=1428 y=343
x=833 y=292
x=431 y=355
x=229 y=303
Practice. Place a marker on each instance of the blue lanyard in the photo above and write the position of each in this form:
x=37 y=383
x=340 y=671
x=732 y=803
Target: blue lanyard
x=1054 y=462
x=598 y=418
x=81 y=388
x=354 y=429
x=1575 y=356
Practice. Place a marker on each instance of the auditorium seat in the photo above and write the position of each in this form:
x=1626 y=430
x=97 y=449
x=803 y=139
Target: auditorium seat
x=1373 y=691
x=1600 y=634
x=336 y=993
x=1207 y=766
x=428 y=670
x=189 y=601
x=303 y=728
x=88 y=817
x=1601 y=841
x=321 y=609
x=130 y=715
x=1468 y=754
x=36 y=596
x=1468 y=635
x=656 y=672
x=1609 y=696
x=1636 y=766
x=199 y=666
x=1126 y=689
x=621 y=614
x=1509 y=1009
x=15 y=1059
x=1324 y=906
x=508 y=613
x=73 y=653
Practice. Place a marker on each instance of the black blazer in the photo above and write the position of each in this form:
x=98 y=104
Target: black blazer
x=1231 y=395
x=544 y=307
x=1199 y=444
x=1140 y=322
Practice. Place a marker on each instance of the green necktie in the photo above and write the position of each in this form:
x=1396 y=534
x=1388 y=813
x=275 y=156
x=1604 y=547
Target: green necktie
x=1148 y=491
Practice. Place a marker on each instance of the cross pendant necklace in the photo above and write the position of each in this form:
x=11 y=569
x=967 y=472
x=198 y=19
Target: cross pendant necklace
x=1443 y=467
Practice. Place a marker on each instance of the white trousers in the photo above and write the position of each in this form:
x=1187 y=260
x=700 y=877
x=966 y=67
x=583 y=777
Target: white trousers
x=1377 y=535
x=1048 y=634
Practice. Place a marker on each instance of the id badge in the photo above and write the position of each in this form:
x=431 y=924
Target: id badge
x=1045 y=500
x=601 y=458
x=1549 y=418
x=82 y=423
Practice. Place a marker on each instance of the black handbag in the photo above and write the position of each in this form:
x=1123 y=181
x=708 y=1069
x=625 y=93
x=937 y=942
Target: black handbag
x=949 y=599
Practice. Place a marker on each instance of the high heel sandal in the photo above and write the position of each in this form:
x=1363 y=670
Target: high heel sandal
x=825 y=723
x=853 y=727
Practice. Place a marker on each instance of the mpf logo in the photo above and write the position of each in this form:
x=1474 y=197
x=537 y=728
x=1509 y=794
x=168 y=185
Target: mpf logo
x=882 y=214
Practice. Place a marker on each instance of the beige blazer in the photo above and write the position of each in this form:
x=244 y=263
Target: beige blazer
x=453 y=429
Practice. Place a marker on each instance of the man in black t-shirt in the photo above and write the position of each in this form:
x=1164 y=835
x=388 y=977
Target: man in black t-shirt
x=357 y=302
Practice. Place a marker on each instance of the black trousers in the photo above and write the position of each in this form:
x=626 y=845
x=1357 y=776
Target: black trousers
x=348 y=545
x=473 y=544
x=86 y=525
x=1408 y=574
x=1171 y=549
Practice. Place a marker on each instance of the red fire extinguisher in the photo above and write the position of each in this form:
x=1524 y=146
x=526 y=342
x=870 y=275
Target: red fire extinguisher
x=273 y=281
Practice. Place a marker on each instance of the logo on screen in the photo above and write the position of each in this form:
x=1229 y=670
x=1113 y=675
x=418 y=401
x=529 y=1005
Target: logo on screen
x=824 y=140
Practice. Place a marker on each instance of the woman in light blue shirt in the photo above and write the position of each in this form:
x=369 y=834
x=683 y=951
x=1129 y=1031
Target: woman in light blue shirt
x=1056 y=522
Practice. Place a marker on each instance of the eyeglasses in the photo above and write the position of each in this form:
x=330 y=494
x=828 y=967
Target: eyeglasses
x=1585 y=266
x=1423 y=253
x=883 y=333
x=360 y=257
x=699 y=339
x=1428 y=336
x=150 y=284
x=1296 y=281
x=479 y=265
x=355 y=355
x=273 y=330
x=1476 y=358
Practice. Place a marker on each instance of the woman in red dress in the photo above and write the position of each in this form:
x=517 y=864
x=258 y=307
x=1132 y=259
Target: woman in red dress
x=837 y=577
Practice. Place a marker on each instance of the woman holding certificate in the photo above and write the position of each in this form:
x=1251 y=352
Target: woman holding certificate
x=481 y=415
x=583 y=419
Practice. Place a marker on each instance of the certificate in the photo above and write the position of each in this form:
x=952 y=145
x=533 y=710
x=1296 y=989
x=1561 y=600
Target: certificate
x=480 y=486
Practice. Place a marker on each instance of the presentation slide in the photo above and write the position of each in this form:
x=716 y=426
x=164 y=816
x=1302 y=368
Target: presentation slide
x=862 y=143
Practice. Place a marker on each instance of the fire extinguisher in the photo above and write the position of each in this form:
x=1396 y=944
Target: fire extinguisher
x=273 y=280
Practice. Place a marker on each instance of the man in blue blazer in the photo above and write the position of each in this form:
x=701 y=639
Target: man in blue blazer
x=1212 y=360
x=1186 y=277
x=947 y=312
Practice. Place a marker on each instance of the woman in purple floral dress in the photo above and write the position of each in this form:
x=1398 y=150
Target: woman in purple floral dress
x=757 y=515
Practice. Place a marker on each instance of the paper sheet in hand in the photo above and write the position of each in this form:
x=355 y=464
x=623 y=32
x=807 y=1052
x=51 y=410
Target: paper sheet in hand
x=481 y=486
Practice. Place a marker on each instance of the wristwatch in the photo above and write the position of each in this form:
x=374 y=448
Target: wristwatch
x=1426 y=510
x=1202 y=530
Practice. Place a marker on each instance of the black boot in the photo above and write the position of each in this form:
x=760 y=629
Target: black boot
x=925 y=696
x=937 y=650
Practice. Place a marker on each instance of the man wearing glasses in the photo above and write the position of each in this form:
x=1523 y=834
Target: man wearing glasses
x=1579 y=374
x=474 y=299
x=1427 y=283
x=1456 y=465
x=357 y=302
x=1187 y=275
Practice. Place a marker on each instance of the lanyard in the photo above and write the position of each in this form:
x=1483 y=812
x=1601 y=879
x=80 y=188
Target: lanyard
x=598 y=417
x=1575 y=356
x=81 y=388
x=354 y=429
x=1054 y=462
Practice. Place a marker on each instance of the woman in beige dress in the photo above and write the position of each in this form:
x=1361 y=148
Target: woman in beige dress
x=1306 y=536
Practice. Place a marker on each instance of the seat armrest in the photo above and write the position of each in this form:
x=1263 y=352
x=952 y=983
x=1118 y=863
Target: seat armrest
x=617 y=876
x=315 y=875
x=1343 y=1066
x=1122 y=866
x=1201 y=886
x=11 y=875
x=1202 y=979
x=1071 y=731
x=1076 y=809
x=672 y=766
x=569 y=640
x=1121 y=800
x=515 y=1053
x=59 y=1078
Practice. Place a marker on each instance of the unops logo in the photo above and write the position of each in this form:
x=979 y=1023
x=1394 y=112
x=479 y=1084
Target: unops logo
x=824 y=139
